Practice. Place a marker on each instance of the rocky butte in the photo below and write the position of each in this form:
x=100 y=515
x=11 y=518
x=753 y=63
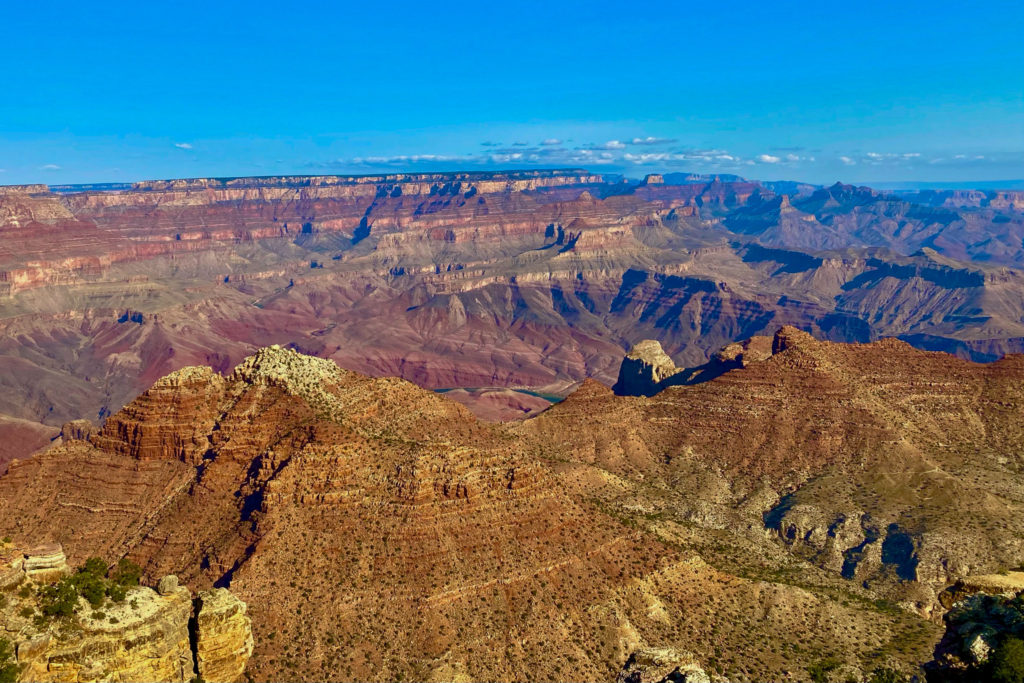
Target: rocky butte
x=474 y=283
x=814 y=503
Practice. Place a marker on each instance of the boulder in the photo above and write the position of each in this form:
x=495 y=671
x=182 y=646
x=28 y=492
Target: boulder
x=46 y=563
x=661 y=665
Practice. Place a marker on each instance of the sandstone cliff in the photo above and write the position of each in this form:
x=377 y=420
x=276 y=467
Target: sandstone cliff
x=144 y=636
x=223 y=636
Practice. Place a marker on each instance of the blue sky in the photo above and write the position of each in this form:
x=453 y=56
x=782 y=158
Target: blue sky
x=859 y=92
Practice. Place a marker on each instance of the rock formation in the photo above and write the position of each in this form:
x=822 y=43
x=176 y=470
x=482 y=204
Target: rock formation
x=812 y=500
x=144 y=637
x=646 y=370
x=819 y=444
x=45 y=563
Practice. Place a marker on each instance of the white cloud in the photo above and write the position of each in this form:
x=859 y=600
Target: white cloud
x=183 y=145
x=551 y=142
x=768 y=159
x=611 y=144
x=49 y=167
x=847 y=161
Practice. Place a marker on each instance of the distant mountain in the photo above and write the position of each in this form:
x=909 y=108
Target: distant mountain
x=533 y=279
x=691 y=178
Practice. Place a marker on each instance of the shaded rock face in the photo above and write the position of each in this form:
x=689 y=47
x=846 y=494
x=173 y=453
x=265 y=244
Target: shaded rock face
x=646 y=370
x=661 y=665
x=975 y=627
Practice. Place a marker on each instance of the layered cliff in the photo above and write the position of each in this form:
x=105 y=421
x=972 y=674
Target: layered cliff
x=377 y=531
x=524 y=280
x=140 y=635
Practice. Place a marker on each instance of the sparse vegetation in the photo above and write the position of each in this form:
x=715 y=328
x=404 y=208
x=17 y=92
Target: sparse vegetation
x=8 y=667
x=1007 y=661
x=820 y=670
x=884 y=674
x=90 y=582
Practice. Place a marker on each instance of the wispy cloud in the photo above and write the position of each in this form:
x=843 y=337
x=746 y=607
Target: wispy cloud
x=641 y=153
x=652 y=141
x=183 y=145
x=611 y=144
x=49 y=167
x=404 y=159
x=881 y=158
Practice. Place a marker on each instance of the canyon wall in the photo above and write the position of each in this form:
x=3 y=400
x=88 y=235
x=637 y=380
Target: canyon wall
x=473 y=282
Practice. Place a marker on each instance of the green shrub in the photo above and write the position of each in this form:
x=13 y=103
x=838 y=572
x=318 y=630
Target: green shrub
x=884 y=674
x=127 y=573
x=91 y=587
x=820 y=670
x=95 y=566
x=117 y=592
x=1007 y=661
x=8 y=668
x=60 y=599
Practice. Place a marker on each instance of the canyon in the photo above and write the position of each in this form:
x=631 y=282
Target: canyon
x=814 y=501
x=475 y=283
